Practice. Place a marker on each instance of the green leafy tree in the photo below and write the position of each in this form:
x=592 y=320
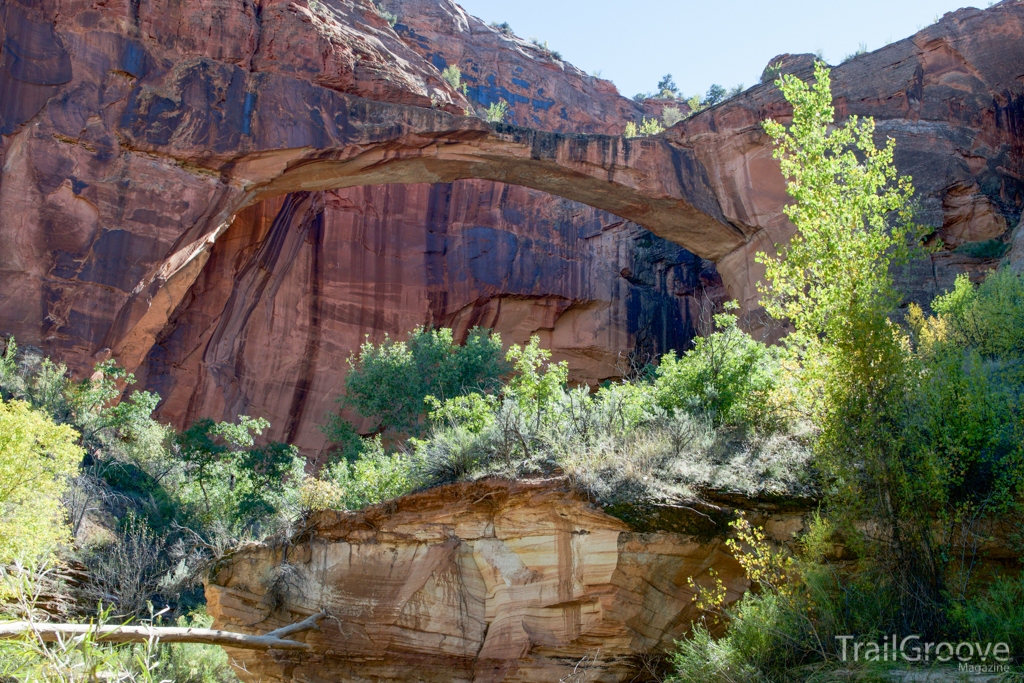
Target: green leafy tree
x=715 y=94
x=536 y=382
x=240 y=483
x=667 y=87
x=37 y=457
x=833 y=283
x=853 y=213
x=390 y=381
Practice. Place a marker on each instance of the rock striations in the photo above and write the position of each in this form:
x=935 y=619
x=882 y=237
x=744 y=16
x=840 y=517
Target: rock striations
x=228 y=195
x=484 y=582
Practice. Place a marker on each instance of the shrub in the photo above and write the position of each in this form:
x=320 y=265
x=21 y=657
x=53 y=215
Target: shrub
x=994 y=614
x=389 y=17
x=390 y=381
x=988 y=318
x=374 y=477
x=647 y=127
x=670 y=116
x=496 y=112
x=545 y=50
x=230 y=480
x=616 y=444
x=502 y=28
x=990 y=249
x=37 y=457
x=535 y=382
x=452 y=75
x=727 y=375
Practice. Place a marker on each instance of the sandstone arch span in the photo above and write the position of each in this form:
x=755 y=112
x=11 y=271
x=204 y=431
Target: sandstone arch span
x=262 y=145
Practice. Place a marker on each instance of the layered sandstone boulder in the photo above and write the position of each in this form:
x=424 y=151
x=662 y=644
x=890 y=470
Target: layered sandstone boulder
x=486 y=581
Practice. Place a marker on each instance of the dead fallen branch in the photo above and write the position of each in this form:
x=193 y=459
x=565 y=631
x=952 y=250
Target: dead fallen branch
x=274 y=640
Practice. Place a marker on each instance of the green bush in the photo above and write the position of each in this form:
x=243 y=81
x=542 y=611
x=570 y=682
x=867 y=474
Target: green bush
x=177 y=499
x=390 y=381
x=670 y=116
x=502 y=28
x=993 y=614
x=646 y=128
x=387 y=16
x=988 y=318
x=231 y=481
x=990 y=249
x=375 y=476
x=452 y=75
x=617 y=443
x=496 y=112
x=727 y=375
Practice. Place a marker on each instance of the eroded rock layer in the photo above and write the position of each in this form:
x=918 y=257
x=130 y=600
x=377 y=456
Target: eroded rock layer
x=488 y=581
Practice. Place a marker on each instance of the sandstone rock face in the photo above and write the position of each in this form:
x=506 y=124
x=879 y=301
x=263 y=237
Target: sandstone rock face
x=490 y=581
x=296 y=283
x=542 y=91
x=951 y=96
x=147 y=147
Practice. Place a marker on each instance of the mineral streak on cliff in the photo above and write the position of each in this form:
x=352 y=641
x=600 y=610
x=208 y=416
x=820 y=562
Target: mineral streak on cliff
x=484 y=582
x=148 y=149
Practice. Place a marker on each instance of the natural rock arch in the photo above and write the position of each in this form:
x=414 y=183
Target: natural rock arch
x=261 y=147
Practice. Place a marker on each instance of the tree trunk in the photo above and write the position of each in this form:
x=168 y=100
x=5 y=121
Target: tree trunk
x=273 y=640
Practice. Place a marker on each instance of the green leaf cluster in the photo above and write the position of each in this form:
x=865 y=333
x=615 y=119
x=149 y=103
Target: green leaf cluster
x=389 y=382
x=727 y=375
x=452 y=75
x=37 y=457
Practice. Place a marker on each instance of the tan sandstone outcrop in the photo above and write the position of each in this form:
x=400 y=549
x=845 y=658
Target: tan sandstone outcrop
x=486 y=581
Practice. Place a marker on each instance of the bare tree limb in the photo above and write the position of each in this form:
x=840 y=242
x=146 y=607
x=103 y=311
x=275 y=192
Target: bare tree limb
x=274 y=640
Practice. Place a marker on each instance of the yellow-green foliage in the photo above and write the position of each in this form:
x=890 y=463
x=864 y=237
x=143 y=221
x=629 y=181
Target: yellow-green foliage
x=988 y=318
x=452 y=75
x=646 y=128
x=374 y=477
x=36 y=459
x=496 y=112
x=535 y=389
x=851 y=209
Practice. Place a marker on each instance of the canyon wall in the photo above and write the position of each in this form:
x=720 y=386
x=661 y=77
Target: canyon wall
x=197 y=189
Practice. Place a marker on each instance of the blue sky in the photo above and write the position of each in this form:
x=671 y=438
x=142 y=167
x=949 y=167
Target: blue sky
x=701 y=42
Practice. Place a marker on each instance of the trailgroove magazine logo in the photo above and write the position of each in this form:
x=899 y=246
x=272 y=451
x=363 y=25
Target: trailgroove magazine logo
x=972 y=657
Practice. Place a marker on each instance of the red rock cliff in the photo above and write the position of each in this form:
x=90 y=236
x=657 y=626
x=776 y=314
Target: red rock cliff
x=135 y=139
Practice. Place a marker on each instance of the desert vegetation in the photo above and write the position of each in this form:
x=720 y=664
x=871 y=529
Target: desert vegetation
x=668 y=90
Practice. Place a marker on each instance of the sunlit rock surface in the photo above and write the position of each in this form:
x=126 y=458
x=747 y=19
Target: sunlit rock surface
x=486 y=581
